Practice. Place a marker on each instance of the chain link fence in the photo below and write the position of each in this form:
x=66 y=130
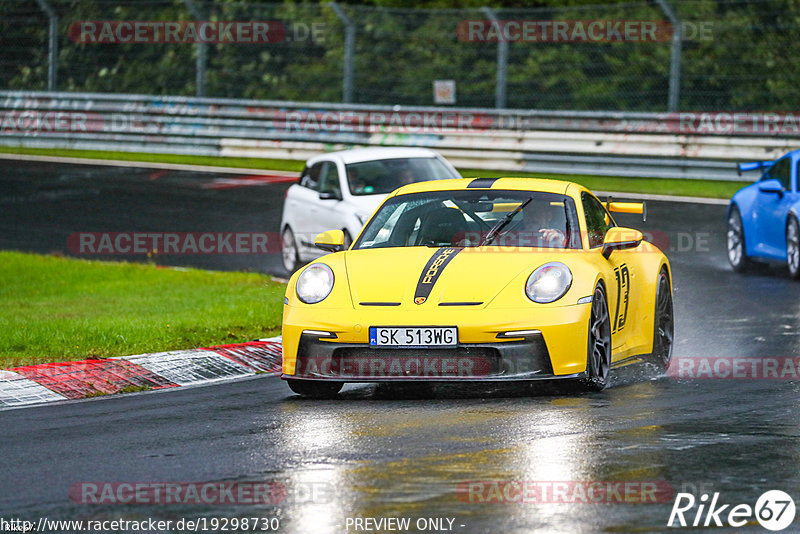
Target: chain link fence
x=694 y=55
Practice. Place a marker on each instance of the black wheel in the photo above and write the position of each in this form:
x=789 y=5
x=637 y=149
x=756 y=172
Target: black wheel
x=663 y=323
x=291 y=259
x=793 y=248
x=315 y=389
x=347 y=240
x=599 y=358
x=737 y=253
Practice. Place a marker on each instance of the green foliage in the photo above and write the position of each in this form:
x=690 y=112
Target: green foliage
x=744 y=61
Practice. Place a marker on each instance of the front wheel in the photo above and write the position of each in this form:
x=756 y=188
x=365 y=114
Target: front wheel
x=599 y=358
x=315 y=389
x=663 y=323
x=289 y=251
x=737 y=252
x=793 y=248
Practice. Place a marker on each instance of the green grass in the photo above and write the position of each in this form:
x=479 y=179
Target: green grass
x=59 y=309
x=662 y=186
x=219 y=161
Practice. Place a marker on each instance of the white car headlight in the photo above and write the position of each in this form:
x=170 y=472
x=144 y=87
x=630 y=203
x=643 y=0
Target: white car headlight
x=315 y=283
x=548 y=283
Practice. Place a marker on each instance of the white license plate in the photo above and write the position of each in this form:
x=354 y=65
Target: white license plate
x=416 y=336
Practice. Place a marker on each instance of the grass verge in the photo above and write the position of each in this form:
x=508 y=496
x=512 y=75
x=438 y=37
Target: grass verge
x=60 y=309
x=659 y=186
x=217 y=161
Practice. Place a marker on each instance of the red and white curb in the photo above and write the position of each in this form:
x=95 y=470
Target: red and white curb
x=34 y=384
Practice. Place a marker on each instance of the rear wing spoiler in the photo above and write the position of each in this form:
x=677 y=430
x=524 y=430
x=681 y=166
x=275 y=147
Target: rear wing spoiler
x=752 y=166
x=627 y=207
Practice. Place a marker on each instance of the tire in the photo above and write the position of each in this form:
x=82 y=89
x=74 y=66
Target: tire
x=598 y=359
x=315 y=389
x=663 y=323
x=348 y=240
x=289 y=252
x=793 y=248
x=737 y=253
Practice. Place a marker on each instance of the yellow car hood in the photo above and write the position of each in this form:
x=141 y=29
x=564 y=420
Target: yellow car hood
x=470 y=277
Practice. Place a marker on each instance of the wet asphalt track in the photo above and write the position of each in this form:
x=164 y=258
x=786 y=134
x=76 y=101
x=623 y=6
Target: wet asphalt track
x=374 y=453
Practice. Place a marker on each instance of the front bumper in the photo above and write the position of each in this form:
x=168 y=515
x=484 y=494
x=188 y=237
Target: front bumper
x=525 y=359
x=557 y=349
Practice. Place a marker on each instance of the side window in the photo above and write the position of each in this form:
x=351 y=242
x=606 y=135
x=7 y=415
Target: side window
x=329 y=178
x=781 y=170
x=310 y=177
x=597 y=219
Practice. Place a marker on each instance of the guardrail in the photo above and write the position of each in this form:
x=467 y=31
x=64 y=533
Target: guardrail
x=667 y=145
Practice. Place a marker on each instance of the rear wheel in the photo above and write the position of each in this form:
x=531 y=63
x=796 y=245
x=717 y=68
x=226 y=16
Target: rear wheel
x=737 y=253
x=599 y=358
x=663 y=324
x=315 y=389
x=793 y=247
x=289 y=251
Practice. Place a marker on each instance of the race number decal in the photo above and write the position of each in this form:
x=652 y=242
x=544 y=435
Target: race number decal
x=623 y=292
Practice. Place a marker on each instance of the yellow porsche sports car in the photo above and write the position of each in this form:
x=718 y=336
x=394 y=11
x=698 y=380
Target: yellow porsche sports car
x=479 y=280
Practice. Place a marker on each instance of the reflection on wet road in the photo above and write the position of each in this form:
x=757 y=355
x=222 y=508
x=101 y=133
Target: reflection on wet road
x=366 y=455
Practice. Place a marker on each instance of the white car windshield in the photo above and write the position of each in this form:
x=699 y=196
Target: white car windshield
x=385 y=175
x=467 y=218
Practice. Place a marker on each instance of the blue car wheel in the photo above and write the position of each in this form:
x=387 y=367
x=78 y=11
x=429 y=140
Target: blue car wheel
x=793 y=247
x=737 y=252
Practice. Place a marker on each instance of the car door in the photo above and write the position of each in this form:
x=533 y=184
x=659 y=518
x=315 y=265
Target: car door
x=304 y=205
x=771 y=209
x=329 y=214
x=618 y=290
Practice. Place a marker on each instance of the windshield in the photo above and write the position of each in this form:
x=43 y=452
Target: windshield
x=467 y=218
x=385 y=175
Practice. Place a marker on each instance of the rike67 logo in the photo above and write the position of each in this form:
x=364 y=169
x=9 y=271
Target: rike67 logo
x=774 y=510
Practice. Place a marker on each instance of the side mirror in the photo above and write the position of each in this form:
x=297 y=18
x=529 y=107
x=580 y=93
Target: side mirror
x=330 y=241
x=330 y=195
x=771 y=186
x=620 y=238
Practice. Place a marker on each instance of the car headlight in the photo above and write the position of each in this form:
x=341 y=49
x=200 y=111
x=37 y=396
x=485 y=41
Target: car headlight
x=315 y=283
x=548 y=283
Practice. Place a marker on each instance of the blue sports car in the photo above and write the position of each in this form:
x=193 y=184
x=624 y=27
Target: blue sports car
x=763 y=217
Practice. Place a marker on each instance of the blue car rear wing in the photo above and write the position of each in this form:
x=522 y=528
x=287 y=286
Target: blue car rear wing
x=753 y=166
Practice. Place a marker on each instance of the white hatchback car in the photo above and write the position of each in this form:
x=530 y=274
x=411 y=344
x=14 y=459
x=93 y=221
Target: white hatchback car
x=340 y=190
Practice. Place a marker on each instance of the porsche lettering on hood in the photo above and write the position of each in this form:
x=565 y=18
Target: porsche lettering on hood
x=433 y=269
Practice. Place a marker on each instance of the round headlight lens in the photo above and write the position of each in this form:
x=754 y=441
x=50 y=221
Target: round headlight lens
x=548 y=283
x=315 y=283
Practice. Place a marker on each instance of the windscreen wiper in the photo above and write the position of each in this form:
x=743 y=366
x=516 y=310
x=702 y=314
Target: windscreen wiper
x=491 y=234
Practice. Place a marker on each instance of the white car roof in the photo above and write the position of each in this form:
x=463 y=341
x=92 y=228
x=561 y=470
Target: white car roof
x=357 y=155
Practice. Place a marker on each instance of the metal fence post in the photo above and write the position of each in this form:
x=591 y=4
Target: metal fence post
x=502 y=62
x=52 y=52
x=349 y=52
x=675 y=55
x=200 y=75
